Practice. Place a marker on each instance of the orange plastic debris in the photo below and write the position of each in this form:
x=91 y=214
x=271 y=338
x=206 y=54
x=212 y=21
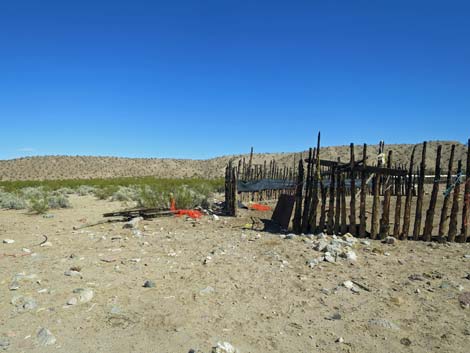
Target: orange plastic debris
x=258 y=207
x=190 y=213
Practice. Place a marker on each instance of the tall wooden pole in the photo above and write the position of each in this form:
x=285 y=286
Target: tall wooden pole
x=466 y=205
x=352 y=203
x=445 y=204
x=419 y=202
x=385 y=220
x=455 y=206
x=428 y=226
x=362 y=212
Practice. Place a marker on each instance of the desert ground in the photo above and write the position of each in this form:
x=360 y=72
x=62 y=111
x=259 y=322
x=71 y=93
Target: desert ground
x=212 y=281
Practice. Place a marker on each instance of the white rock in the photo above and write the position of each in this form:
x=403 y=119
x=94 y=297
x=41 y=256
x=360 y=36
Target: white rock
x=8 y=241
x=215 y=217
x=389 y=240
x=351 y=255
x=340 y=340
x=84 y=294
x=365 y=242
x=72 y=301
x=133 y=223
x=45 y=337
x=329 y=257
x=348 y=284
x=224 y=347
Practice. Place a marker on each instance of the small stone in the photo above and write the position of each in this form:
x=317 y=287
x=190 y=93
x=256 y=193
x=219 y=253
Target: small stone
x=215 y=217
x=340 y=340
x=4 y=343
x=133 y=223
x=15 y=285
x=326 y=291
x=291 y=236
x=351 y=256
x=417 y=291
x=72 y=301
x=8 y=241
x=416 y=277
x=207 y=290
x=466 y=256
x=45 y=337
x=312 y=263
x=335 y=316
x=72 y=273
x=149 y=284
x=329 y=258
x=405 y=341
x=84 y=294
x=384 y=323
x=224 y=347
x=389 y=240
x=47 y=244
x=26 y=250
x=348 y=284
x=23 y=304
x=464 y=300
x=365 y=242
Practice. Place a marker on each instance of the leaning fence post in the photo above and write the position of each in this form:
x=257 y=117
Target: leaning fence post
x=447 y=193
x=466 y=202
x=409 y=196
x=308 y=191
x=298 y=199
x=455 y=205
x=427 y=235
x=419 y=202
x=331 y=205
x=316 y=179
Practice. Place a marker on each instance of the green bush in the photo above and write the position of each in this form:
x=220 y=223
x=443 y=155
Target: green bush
x=12 y=201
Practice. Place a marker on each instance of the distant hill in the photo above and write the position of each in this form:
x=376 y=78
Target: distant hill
x=82 y=167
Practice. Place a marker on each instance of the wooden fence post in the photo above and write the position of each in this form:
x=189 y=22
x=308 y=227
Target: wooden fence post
x=375 y=208
x=313 y=212
x=352 y=203
x=385 y=220
x=362 y=212
x=445 y=204
x=428 y=226
x=396 y=226
x=308 y=192
x=331 y=205
x=297 y=222
x=466 y=204
x=455 y=206
x=419 y=202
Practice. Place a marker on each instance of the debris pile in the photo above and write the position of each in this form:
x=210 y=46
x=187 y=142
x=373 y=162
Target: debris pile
x=333 y=248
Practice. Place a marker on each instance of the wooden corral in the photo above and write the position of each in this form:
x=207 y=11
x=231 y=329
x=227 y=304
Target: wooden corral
x=367 y=198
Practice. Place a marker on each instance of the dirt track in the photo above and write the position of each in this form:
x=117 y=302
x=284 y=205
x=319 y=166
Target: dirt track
x=217 y=282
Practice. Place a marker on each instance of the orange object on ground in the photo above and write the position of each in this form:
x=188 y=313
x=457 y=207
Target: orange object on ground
x=178 y=213
x=190 y=213
x=258 y=207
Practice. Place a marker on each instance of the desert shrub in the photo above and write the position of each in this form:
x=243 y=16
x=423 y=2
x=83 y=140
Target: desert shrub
x=56 y=201
x=12 y=201
x=39 y=204
x=186 y=197
x=66 y=191
x=84 y=190
x=32 y=192
x=153 y=197
x=104 y=193
x=126 y=193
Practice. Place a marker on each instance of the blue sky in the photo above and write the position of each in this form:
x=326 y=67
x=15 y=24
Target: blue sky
x=196 y=79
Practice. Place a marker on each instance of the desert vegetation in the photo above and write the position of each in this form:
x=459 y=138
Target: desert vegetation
x=40 y=196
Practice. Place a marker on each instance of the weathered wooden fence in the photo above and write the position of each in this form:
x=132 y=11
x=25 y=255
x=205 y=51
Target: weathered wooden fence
x=377 y=198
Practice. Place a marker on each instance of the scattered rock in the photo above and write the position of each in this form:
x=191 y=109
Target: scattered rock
x=350 y=256
x=45 y=337
x=149 y=284
x=8 y=241
x=133 y=223
x=312 y=263
x=215 y=217
x=291 y=236
x=390 y=240
x=329 y=257
x=207 y=290
x=4 y=343
x=84 y=294
x=464 y=300
x=416 y=277
x=384 y=323
x=23 y=304
x=365 y=242
x=72 y=273
x=348 y=284
x=224 y=347
x=340 y=340
x=335 y=316
x=405 y=341
x=466 y=256
x=72 y=301
x=15 y=285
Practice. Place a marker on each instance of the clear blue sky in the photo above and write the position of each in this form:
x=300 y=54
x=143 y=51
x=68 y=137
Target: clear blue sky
x=203 y=78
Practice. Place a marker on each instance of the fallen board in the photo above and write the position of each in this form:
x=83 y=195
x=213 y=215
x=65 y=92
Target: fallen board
x=283 y=211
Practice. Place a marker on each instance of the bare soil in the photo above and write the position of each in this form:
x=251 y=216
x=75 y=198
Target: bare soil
x=215 y=281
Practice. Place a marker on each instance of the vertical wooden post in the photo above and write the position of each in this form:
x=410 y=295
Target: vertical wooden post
x=466 y=203
x=385 y=220
x=375 y=207
x=233 y=197
x=455 y=205
x=324 y=192
x=331 y=205
x=338 y=202
x=409 y=196
x=298 y=199
x=352 y=203
x=308 y=192
x=445 y=204
x=396 y=226
x=419 y=202
x=344 y=226
x=362 y=212
x=428 y=225
x=313 y=212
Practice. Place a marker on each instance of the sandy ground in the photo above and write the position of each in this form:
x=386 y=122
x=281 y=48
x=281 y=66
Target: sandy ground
x=216 y=282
